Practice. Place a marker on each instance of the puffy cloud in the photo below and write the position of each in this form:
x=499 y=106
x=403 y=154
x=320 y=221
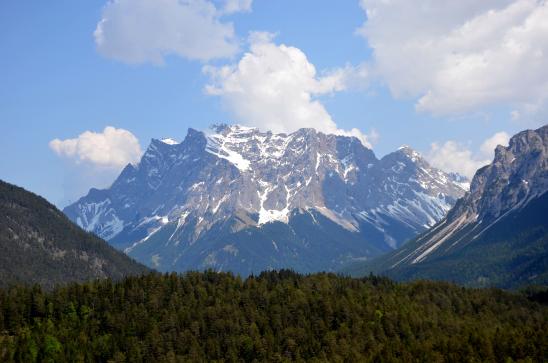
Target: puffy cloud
x=275 y=87
x=140 y=31
x=489 y=145
x=112 y=148
x=460 y=56
x=452 y=156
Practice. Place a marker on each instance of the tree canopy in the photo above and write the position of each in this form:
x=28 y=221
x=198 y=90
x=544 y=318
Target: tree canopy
x=276 y=316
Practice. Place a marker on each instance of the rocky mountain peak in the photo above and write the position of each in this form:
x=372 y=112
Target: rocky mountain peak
x=519 y=172
x=245 y=179
x=496 y=234
x=408 y=152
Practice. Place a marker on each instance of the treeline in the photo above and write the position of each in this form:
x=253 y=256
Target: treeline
x=277 y=316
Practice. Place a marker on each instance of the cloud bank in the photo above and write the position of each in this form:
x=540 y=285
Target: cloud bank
x=452 y=156
x=112 y=148
x=145 y=31
x=275 y=87
x=460 y=56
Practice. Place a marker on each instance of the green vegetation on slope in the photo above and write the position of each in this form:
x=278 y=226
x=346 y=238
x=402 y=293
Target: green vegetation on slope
x=511 y=254
x=277 y=316
x=38 y=244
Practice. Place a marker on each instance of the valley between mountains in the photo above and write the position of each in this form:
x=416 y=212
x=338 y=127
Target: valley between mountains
x=243 y=201
x=239 y=202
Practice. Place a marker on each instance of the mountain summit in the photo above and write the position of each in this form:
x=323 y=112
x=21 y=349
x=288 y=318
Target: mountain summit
x=497 y=234
x=244 y=200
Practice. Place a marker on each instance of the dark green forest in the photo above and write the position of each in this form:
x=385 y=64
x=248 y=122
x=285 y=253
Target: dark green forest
x=39 y=244
x=511 y=254
x=276 y=316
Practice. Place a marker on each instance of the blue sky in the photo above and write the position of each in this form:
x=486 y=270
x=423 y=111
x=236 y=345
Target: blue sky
x=57 y=81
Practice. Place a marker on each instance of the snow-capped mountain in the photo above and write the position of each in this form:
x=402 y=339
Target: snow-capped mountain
x=497 y=234
x=243 y=200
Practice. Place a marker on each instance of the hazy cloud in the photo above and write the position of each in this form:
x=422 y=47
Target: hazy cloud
x=275 y=87
x=112 y=148
x=141 y=31
x=489 y=145
x=236 y=6
x=452 y=156
x=460 y=56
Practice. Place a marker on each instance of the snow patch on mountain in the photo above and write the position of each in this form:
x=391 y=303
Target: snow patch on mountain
x=169 y=141
x=246 y=179
x=217 y=145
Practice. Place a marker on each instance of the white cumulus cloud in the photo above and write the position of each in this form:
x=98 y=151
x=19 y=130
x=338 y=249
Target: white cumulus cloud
x=488 y=146
x=452 y=156
x=141 y=31
x=460 y=56
x=275 y=87
x=112 y=148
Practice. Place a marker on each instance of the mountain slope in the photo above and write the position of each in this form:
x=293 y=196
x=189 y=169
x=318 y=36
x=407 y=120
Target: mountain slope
x=244 y=200
x=497 y=235
x=40 y=245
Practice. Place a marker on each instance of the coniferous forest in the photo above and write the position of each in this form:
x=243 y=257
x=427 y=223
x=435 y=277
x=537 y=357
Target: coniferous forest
x=276 y=316
x=40 y=245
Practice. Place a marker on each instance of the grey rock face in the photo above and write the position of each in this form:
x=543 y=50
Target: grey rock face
x=499 y=192
x=240 y=180
x=517 y=174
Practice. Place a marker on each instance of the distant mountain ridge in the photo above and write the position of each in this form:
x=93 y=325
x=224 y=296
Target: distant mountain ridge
x=39 y=245
x=244 y=200
x=496 y=235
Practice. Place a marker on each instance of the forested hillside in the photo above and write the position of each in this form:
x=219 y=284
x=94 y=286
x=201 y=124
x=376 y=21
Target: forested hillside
x=511 y=254
x=277 y=316
x=39 y=244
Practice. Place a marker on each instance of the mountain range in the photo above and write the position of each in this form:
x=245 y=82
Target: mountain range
x=496 y=235
x=243 y=200
x=40 y=245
